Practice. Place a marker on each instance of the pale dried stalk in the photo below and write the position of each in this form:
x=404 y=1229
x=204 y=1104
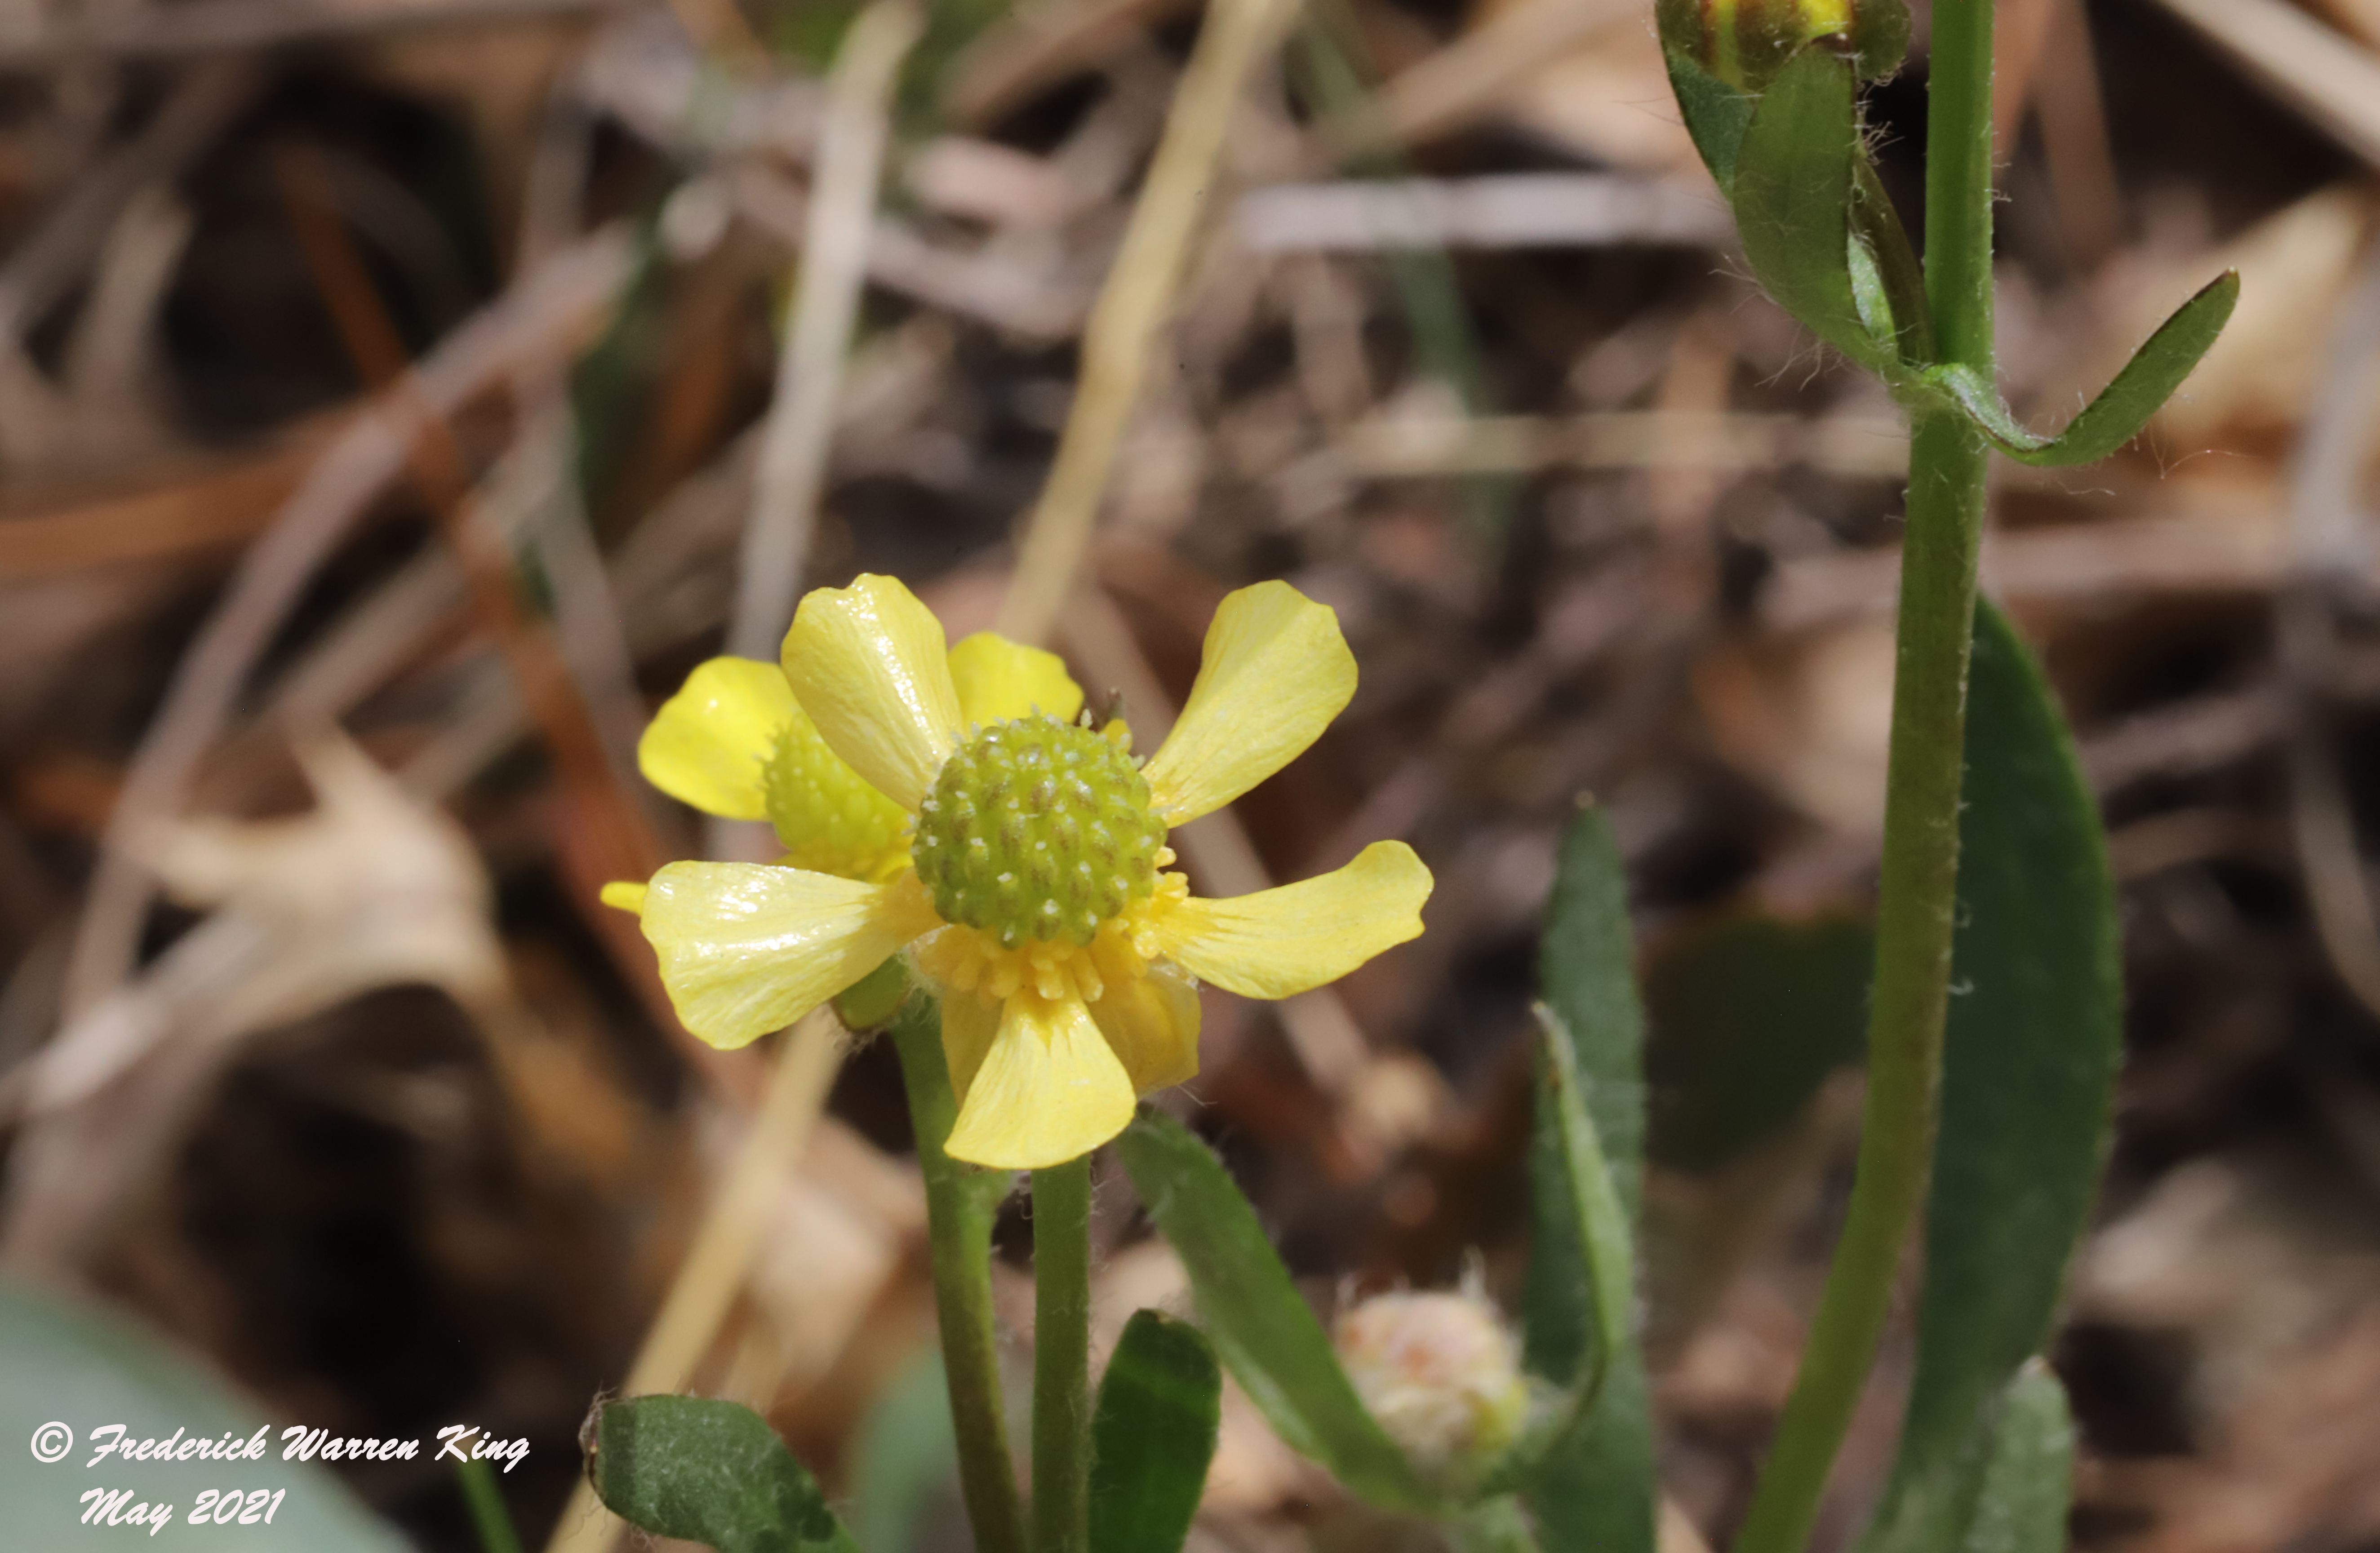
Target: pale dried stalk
x=833 y=266
x=830 y=270
x=2331 y=555
x=230 y=26
x=1134 y=307
x=712 y=1273
x=2324 y=74
x=50 y=263
x=1471 y=76
x=1039 y=44
x=550 y=311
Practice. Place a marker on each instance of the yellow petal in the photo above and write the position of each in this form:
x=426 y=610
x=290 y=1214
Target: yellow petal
x=868 y=663
x=968 y=1024
x=747 y=948
x=1152 y=1023
x=710 y=743
x=1277 y=943
x=1274 y=674
x=623 y=894
x=1049 y=1090
x=999 y=680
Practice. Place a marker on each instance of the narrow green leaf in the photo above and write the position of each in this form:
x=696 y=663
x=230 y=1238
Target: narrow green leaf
x=1153 y=1436
x=1599 y=1222
x=1794 y=176
x=1586 y=967
x=708 y=1472
x=1262 y=1328
x=2028 y=1475
x=1594 y=1489
x=1869 y=298
x=2123 y=407
x=2030 y=1057
x=1600 y=1226
x=1880 y=245
x=1750 y=1013
x=64 y=1368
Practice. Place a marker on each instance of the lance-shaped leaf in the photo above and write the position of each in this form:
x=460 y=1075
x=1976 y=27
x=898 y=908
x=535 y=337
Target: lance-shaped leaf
x=1888 y=284
x=2030 y=1050
x=2027 y=1469
x=2123 y=407
x=1594 y=1488
x=1153 y=1436
x=1262 y=1328
x=1600 y=1227
x=708 y=1472
x=1793 y=180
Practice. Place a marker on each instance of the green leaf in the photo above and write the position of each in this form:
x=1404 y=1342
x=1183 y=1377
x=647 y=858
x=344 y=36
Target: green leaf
x=1262 y=1328
x=85 y=1371
x=1594 y=1489
x=1599 y=1225
x=2028 y=1475
x=1586 y=967
x=2030 y=1050
x=1895 y=307
x=1750 y=1013
x=2123 y=407
x=709 y=1472
x=1153 y=1436
x=1793 y=179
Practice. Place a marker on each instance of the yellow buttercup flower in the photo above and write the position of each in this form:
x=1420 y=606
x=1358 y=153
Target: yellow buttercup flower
x=952 y=805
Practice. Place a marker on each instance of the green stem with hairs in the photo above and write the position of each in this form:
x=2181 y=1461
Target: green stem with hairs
x=960 y=1204
x=1061 y=1357
x=1918 y=895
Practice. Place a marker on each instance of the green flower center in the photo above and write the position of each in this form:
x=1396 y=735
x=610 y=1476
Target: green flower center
x=1038 y=830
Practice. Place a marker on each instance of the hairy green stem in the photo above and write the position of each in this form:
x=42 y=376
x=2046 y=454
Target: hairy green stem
x=1061 y=1357
x=1917 y=894
x=959 y=1212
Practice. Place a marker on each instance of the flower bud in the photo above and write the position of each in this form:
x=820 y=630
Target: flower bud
x=1440 y=1373
x=1746 y=42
